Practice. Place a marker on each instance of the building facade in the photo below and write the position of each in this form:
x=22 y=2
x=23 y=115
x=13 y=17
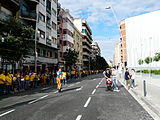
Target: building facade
x=65 y=33
x=42 y=15
x=143 y=39
x=77 y=40
x=123 y=52
x=117 y=54
x=95 y=49
x=84 y=28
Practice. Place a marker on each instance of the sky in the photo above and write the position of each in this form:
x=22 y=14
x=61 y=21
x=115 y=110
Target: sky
x=103 y=22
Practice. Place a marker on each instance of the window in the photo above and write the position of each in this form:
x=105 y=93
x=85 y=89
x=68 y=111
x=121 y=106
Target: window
x=54 y=12
x=44 y=53
x=42 y=34
x=55 y=1
x=48 y=21
x=41 y=17
x=54 y=26
x=50 y=54
x=65 y=43
x=56 y=55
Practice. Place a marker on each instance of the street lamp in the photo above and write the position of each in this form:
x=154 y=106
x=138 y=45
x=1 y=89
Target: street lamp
x=114 y=14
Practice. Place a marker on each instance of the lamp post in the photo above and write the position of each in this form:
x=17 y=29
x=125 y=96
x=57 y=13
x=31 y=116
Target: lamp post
x=2 y=40
x=114 y=14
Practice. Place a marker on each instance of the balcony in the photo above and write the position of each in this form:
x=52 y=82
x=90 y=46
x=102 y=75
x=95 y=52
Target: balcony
x=30 y=15
x=49 y=42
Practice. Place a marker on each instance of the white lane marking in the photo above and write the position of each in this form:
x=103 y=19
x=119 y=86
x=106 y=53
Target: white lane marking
x=89 y=99
x=71 y=85
x=78 y=82
x=97 y=86
x=7 y=112
x=99 y=83
x=45 y=88
x=93 y=91
x=37 y=99
x=94 y=79
x=79 y=88
x=56 y=91
x=79 y=117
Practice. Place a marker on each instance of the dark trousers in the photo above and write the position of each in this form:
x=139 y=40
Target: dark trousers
x=8 y=88
x=1 y=89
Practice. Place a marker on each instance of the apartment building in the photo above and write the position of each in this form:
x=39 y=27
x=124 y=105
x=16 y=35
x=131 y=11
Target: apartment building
x=9 y=7
x=95 y=49
x=84 y=28
x=77 y=43
x=123 y=48
x=42 y=15
x=65 y=33
x=117 y=54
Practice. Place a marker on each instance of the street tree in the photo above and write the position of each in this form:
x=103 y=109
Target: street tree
x=148 y=60
x=156 y=57
x=140 y=62
x=17 y=40
x=70 y=58
x=101 y=63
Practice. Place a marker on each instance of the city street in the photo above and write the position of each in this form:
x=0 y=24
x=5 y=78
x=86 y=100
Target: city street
x=81 y=100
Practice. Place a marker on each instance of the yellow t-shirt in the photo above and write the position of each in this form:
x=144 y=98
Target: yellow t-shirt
x=64 y=74
x=2 y=79
x=8 y=80
x=32 y=77
x=26 y=77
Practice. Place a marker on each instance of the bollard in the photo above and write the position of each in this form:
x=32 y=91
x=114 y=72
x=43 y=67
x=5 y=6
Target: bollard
x=144 y=86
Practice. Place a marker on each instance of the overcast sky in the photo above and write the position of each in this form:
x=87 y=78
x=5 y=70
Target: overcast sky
x=102 y=21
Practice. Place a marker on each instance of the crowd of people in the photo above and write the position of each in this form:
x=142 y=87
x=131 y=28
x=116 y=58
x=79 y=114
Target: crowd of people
x=115 y=73
x=29 y=80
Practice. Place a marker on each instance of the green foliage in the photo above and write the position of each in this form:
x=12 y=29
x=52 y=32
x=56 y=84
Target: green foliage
x=140 y=62
x=157 y=57
x=148 y=60
x=70 y=57
x=100 y=63
x=157 y=72
x=17 y=40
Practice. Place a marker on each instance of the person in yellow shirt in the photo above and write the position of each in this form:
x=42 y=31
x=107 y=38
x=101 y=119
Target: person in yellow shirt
x=2 y=83
x=26 y=79
x=31 y=77
x=64 y=79
x=58 y=79
x=8 y=80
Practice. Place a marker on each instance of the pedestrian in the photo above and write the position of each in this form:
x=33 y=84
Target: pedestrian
x=26 y=79
x=59 y=77
x=127 y=78
x=107 y=73
x=114 y=78
x=54 y=77
x=132 y=78
x=119 y=71
x=8 y=83
x=64 y=77
x=15 y=84
x=31 y=77
x=2 y=82
x=35 y=80
x=22 y=81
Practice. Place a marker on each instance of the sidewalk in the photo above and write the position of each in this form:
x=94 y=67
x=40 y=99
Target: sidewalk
x=151 y=102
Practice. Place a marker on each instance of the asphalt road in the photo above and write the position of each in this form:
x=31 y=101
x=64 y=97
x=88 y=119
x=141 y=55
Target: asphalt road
x=81 y=100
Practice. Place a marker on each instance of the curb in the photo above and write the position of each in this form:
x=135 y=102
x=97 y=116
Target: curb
x=147 y=105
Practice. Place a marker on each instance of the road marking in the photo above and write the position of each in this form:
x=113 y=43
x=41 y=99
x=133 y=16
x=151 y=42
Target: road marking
x=93 y=91
x=7 y=112
x=78 y=82
x=56 y=91
x=94 y=79
x=97 y=86
x=45 y=88
x=79 y=88
x=37 y=99
x=71 y=85
x=79 y=117
x=89 y=99
x=99 y=83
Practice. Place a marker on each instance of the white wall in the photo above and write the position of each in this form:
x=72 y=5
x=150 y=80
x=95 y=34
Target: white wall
x=143 y=38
